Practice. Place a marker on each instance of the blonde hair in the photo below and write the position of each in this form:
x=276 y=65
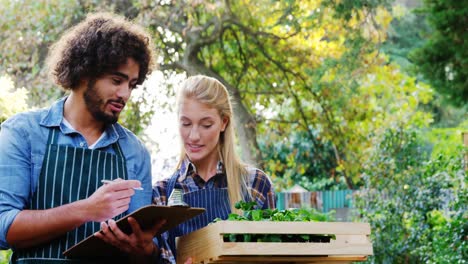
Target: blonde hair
x=212 y=93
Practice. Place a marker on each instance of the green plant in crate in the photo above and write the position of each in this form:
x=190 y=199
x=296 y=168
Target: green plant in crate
x=275 y=215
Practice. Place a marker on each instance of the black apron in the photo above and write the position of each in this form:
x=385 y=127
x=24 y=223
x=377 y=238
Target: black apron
x=70 y=174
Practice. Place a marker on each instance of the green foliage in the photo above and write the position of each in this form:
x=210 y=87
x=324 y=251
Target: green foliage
x=298 y=159
x=294 y=238
x=139 y=111
x=313 y=65
x=296 y=66
x=275 y=215
x=416 y=205
x=407 y=31
x=445 y=114
x=12 y=100
x=29 y=27
x=443 y=60
x=296 y=214
x=445 y=141
x=5 y=256
x=347 y=9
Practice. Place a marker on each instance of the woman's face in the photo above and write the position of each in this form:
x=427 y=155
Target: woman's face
x=200 y=127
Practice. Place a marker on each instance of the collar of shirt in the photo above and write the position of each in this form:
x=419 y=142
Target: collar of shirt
x=187 y=168
x=54 y=118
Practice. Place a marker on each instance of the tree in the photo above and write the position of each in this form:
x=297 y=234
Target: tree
x=406 y=32
x=302 y=60
x=416 y=205
x=12 y=100
x=297 y=160
x=305 y=66
x=308 y=66
x=29 y=27
x=409 y=31
x=443 y=60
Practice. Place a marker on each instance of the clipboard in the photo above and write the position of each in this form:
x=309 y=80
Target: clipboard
x=145 y=216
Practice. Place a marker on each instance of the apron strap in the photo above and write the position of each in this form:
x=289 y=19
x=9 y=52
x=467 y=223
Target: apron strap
x=120 y=155
x=53 y=136
x=118 y=150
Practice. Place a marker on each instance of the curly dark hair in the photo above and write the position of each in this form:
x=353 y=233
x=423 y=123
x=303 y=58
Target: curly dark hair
x=98 y=45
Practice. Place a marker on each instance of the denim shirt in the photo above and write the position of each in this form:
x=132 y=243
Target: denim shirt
x=23 y=140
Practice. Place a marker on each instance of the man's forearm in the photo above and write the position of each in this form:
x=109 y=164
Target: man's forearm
x=33 y=227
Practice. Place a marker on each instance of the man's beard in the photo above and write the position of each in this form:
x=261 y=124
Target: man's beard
x=94 y=102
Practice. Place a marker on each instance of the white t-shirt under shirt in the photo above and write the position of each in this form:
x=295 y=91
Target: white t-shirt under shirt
x=66 y=123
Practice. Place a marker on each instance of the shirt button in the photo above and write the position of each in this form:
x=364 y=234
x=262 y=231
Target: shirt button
x=81 y=144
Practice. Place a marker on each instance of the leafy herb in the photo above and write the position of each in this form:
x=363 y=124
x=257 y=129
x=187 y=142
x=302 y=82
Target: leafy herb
x=295 y=214
x=291 y=215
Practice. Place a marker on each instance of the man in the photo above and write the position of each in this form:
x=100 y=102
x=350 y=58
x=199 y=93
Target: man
x=53 y=162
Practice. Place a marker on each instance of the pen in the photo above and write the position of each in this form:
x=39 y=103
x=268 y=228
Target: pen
x=134 y=188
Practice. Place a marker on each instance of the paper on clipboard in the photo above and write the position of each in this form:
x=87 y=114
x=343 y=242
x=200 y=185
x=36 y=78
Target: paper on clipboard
x=146 y=217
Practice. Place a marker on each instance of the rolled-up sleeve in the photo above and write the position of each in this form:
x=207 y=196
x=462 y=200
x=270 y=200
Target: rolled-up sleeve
x=15 y=175
x=261 y=189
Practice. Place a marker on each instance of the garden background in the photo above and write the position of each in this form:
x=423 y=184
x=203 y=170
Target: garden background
x=368 y=96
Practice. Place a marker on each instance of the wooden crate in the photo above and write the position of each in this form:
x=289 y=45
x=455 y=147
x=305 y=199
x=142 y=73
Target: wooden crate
x=206 y=245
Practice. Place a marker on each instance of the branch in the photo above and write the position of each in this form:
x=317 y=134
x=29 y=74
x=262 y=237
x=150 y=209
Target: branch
x=281 y=121
x=173 y=66
x=173 y=21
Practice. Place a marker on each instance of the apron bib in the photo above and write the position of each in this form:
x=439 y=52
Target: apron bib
x=69 y=174
x=215 y=201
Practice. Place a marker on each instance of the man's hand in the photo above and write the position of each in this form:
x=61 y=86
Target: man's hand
x=110 y=199
x=33 y=227
x=139 y=242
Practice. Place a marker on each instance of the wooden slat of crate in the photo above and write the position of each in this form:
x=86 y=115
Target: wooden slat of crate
x=207 y=246
x=269 y=248
x=267 y=227
x=200 y=245
x=286 y=259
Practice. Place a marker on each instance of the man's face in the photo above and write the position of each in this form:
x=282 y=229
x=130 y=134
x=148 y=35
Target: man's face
x=107 y=95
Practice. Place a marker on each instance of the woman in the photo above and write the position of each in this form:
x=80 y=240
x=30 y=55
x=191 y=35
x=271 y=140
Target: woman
x=209 y=173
